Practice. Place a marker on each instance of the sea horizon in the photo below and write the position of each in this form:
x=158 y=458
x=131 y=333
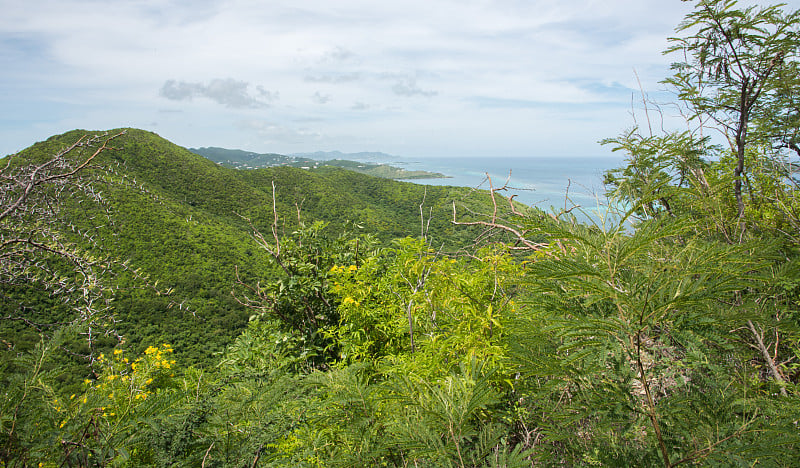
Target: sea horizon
x=542 y=182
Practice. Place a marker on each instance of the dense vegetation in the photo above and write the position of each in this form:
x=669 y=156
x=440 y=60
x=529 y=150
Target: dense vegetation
x=665 y=333
x=175 y=229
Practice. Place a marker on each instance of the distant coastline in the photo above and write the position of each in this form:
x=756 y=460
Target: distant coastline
x=549 y=183
x=245 y=160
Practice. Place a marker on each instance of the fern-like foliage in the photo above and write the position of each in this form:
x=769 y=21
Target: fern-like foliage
x=635 y=358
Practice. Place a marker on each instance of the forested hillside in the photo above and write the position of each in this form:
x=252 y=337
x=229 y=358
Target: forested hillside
x=364 y=322
x=185 y=225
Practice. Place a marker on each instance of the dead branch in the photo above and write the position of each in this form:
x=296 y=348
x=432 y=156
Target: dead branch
x=528 y=245
x=28 y=182
x=759 y=337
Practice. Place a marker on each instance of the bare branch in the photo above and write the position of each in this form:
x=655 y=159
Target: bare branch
x=528 y=245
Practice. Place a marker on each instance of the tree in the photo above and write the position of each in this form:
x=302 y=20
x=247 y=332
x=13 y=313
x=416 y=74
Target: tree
x=33 y=247
x=637 y=340
x=34 y=252
x=733 y=74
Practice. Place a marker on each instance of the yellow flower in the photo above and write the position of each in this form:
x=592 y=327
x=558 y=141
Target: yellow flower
x=117 y=352
x=148 y=382
x=349 y=300
x=353 y=268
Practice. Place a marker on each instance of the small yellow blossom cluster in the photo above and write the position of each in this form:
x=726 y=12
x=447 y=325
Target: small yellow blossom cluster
x=157 y=357
x=342 y=271
x=123 y=383
x=338 y=269
x=120 y=386
x=350 y=301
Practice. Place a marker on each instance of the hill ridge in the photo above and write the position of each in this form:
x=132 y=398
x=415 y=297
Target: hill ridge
x=187 y=223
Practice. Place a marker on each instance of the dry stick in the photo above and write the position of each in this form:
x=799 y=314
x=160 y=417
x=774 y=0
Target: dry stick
x=491 y=193
x=528 y=244
x=414 y=289
x=410 y=324
x=258 y=456
x=511 y=204
x=203 y=464
x=504 y=187
x=644 y=102
x=259 y=238
x=422 y=214
x=275 y=224
x=494 y=224
x=770 y=362
x=297 y=208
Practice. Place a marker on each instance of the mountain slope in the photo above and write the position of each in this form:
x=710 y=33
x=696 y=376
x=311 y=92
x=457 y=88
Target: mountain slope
x=186 y=223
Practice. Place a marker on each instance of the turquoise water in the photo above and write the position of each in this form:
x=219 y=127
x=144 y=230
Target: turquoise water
x=540 y=182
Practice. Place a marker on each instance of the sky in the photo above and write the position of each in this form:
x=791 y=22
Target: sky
x=416 y=78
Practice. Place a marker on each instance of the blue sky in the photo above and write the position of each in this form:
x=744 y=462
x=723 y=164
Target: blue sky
x=414 y=78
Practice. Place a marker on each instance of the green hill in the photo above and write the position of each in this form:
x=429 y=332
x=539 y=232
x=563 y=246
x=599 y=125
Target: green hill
x=182 y=221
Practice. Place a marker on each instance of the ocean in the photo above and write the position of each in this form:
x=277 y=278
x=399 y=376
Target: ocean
x=541 y=182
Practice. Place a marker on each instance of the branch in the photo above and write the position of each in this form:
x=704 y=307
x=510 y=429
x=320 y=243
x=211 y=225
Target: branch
x=34 y=180
x=528 y=244
x=770 y=362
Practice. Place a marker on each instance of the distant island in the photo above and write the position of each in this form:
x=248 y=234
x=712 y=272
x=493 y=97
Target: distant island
x=244 y=160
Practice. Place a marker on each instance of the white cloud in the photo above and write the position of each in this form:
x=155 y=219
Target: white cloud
x=320 y=98
x=408 y=87
x=472 y=71
x=228 y=92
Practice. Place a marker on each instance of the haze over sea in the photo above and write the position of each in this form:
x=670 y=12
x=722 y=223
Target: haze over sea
x=537 y=181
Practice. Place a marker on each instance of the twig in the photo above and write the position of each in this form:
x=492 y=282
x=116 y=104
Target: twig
x=528 y=244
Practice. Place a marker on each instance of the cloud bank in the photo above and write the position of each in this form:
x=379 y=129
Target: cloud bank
x=418 y=77
x=231 y=93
